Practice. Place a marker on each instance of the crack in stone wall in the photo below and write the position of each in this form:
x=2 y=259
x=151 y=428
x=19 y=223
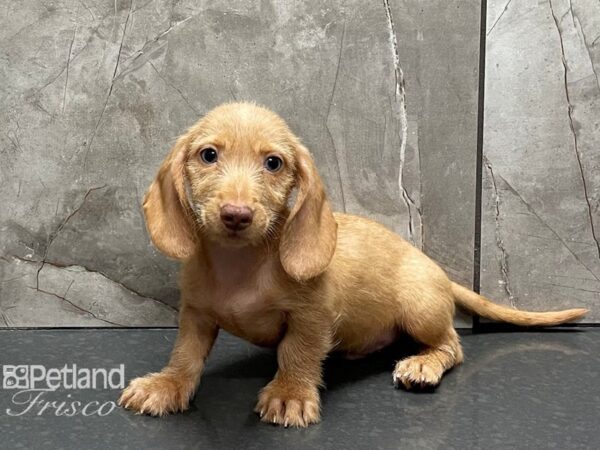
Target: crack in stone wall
x=110 y=89
x=132 y=306
x=545 y=223
x=77 y=266
x=77 y=307
x=333 y=90
x=400 y=97
x=55 y=234
x=503 y=263
x=499 y=17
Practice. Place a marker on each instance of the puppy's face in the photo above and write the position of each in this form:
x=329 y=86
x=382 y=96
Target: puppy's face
x=228 y=180
x=239 y=172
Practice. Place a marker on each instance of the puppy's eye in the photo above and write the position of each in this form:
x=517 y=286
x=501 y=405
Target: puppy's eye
x=273 y=163
x=209 y=155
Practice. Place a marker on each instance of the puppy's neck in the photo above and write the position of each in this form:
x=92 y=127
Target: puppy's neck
x=233 y=265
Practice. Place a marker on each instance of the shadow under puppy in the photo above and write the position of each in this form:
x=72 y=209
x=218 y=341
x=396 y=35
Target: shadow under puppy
x=304 y=279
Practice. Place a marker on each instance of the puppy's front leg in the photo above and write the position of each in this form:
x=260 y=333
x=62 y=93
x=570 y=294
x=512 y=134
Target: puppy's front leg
x=292 y=398
x=171 y=389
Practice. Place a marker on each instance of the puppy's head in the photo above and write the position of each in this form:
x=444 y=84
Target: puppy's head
x=228 y=180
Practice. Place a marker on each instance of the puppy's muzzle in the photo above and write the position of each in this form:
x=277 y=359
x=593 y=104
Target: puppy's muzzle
x=236 y=218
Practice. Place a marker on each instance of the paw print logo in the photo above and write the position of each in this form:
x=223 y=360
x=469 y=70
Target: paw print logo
x=15 y=377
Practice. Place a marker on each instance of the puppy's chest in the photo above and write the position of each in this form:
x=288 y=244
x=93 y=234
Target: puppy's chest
x=239 y=301
x=249 y=313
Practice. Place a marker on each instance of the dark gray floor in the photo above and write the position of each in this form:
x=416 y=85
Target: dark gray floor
x=514 y=391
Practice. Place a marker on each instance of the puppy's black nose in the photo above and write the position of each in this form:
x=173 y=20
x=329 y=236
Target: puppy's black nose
x=235 y=217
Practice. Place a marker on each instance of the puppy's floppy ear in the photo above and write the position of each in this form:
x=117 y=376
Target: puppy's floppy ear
x=309 y=236
x=168 y=215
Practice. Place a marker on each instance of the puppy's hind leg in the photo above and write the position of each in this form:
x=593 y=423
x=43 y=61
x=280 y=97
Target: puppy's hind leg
x=425 y=369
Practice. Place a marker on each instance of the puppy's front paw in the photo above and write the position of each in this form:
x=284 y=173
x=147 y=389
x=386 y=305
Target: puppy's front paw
x=417 y=372
x=157 y=394
x=288 y=405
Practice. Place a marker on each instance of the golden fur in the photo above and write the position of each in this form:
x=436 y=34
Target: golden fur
x=304 y=280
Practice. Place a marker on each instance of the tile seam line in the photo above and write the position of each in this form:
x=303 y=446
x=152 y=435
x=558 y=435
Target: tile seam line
x=479 y=156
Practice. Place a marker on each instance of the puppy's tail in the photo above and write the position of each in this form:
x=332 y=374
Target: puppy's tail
x=482 y=306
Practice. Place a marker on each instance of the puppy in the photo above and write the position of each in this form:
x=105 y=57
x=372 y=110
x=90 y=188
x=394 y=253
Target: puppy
x=302 y=279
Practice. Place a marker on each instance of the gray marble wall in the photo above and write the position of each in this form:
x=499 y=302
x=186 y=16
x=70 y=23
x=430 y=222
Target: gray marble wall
x=541 y=172
x=94 y=93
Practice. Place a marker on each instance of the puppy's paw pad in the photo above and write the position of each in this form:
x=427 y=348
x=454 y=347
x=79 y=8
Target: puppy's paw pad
x=156 y=394
x=417 y=372
x=288 y=407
